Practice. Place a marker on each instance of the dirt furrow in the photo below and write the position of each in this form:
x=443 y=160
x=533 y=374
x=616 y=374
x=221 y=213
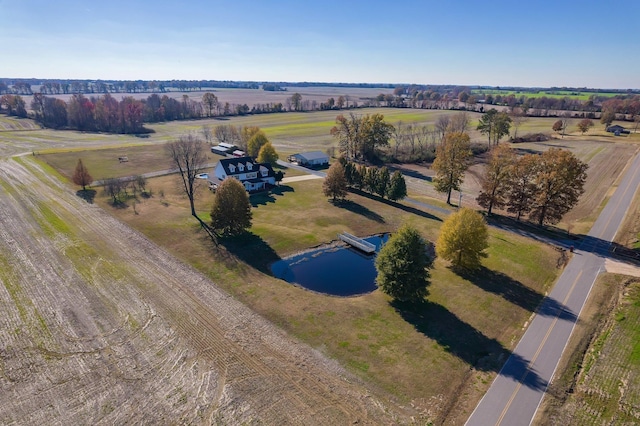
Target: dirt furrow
x=114 y=321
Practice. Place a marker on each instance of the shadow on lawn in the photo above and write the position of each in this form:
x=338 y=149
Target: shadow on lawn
x=251 y=249
x=465 y=342
x=264 y=198
x=397 y=205
x=517 y=293
x=87 y=194
x=359 y=209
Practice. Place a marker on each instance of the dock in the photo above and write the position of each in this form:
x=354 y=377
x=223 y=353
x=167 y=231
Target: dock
x=358 y=243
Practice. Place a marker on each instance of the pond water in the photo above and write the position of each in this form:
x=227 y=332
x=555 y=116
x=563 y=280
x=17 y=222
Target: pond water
x=338 y=271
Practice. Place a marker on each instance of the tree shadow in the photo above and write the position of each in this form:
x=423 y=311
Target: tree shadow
x=251 y=249
x=465 y=342
x=264 y=198
x=411 y=173
x=554 y=235
x=517 y=293
x=359 y=209
x=395 y=204
x=87 y=194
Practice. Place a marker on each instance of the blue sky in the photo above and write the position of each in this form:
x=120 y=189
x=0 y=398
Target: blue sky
x=499 y=43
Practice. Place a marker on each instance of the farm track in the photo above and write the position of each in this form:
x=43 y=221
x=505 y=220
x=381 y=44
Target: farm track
x=102 y=326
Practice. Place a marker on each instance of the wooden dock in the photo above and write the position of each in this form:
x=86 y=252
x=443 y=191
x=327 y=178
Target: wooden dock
x=358 y=243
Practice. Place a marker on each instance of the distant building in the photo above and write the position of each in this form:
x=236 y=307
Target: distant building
x=254 y=176
x=617 y=130
x=223 y=148
x=310 y=159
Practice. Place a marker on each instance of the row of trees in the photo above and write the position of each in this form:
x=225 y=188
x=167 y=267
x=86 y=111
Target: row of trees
x=58 y=87
x=542 y=186
x=379 y=181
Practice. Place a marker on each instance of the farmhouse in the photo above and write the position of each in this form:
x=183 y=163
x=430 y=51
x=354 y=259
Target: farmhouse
x=617 y=130
x=310 y=159
x=254 y=176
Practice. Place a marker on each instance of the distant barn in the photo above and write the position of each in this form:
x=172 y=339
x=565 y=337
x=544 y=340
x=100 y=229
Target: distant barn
x=310 y=159
x=617 y=130
x=223 y=148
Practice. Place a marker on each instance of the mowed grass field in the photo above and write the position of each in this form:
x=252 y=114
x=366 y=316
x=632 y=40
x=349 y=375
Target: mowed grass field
x=583 y=96
x=458 y=339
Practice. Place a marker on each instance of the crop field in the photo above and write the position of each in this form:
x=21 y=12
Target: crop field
x=606 y=386
x=583 y=96
x=254 y=96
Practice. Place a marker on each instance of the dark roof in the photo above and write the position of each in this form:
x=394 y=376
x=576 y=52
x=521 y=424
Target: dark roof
x=312 y=155
x=226 y=162
x=614 y=128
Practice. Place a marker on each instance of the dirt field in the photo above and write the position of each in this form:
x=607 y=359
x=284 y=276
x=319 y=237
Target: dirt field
x=255 y=96
x=100 y=325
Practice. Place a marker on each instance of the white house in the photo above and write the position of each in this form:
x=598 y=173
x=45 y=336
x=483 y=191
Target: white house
x=310 y=159
x=254 y=176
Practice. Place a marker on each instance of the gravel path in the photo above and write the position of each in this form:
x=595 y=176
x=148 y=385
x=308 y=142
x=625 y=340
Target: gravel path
x=101 y=326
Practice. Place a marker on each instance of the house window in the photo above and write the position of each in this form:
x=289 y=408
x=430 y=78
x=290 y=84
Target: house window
x=249 y=166
x=252 y=175
x=232 y=168
x=241 y=167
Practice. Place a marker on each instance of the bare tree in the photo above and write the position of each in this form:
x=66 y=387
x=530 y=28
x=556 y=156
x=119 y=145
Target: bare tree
x=208 y=134
x=113 y=188
x=189 y=156
x=459 y=123
x=442 y=125
x=518 y=117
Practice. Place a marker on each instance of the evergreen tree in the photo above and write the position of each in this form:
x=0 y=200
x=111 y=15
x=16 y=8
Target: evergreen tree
x=383 y=180
x=403 y=266
x=397 y=188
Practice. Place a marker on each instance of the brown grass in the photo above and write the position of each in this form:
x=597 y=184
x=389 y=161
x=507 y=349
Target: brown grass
x=365 y=333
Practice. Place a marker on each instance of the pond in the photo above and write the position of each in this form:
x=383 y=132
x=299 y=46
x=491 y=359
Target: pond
x=336 y=270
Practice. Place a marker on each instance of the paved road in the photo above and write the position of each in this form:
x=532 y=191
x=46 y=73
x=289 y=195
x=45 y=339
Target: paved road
x=517 y=391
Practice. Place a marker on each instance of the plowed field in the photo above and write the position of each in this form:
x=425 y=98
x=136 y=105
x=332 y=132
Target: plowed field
x=101 y=326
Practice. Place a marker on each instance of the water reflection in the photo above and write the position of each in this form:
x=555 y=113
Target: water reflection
x=336 y=270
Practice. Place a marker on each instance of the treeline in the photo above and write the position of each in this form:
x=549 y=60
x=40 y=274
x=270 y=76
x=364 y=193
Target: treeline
x=61 y=87
x=542 y=187
x=106 y=114
x=461 y=97
x=375 y=180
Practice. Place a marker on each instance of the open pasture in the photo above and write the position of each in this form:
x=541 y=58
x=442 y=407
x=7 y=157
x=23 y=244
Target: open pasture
x=583 y=96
